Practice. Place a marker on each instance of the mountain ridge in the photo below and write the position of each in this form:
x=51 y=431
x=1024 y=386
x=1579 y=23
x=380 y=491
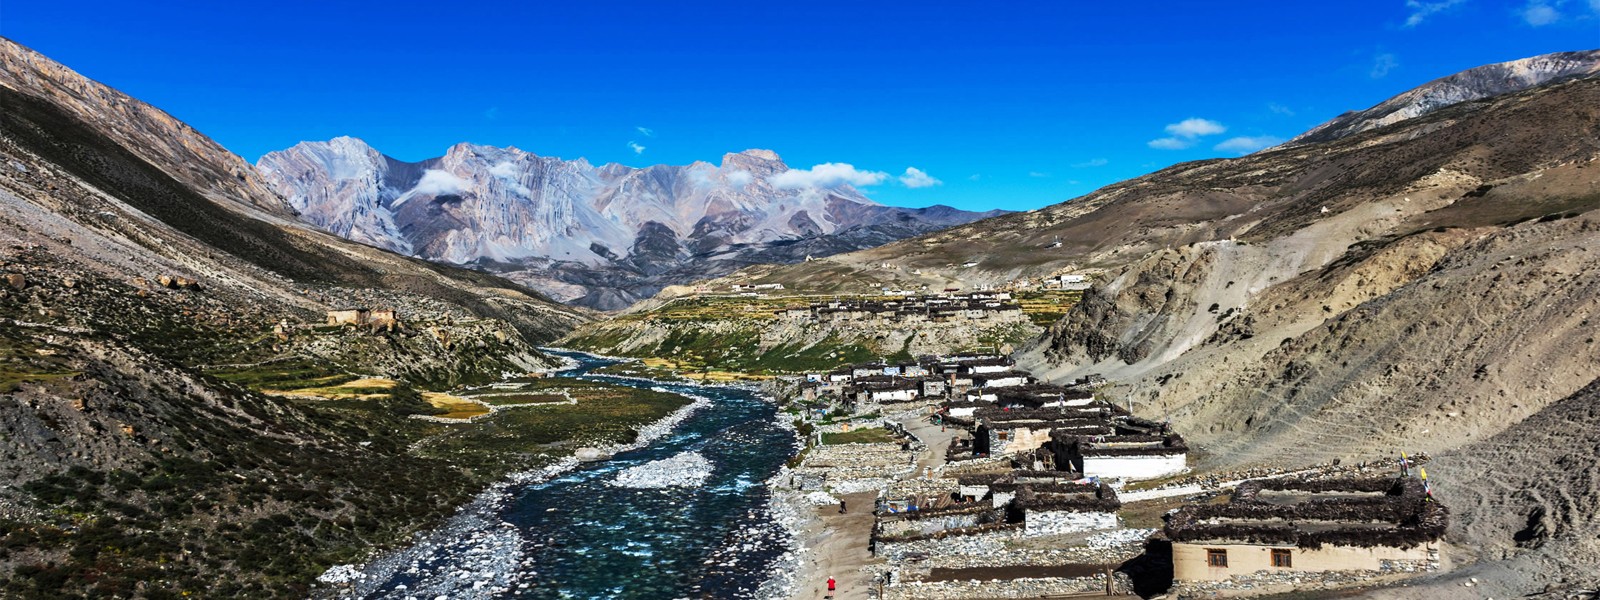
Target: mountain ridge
x=614 y=233
x=1472 y=84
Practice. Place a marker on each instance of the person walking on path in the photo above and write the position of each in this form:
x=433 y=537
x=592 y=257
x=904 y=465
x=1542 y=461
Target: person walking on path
x=830 y=586
x=841 y=507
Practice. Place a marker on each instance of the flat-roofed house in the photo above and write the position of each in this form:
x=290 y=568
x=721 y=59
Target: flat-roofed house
x=1271 y=527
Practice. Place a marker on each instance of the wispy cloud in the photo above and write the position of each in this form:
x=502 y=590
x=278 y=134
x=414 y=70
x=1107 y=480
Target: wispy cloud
x=917 y=178
x=1421 y=9
x=1185 y=133
x=826 y=175
x=492 y=113
x=1037 y=174
x=1382 y=64
x=637 y=149
x=1279 y=109
x=977 y=176
x=1093 y=162
x=646 y=131
x=1194 y=127
x=1168 y=143
x=739 y=177
x=1245 y=144
x=1539 y=13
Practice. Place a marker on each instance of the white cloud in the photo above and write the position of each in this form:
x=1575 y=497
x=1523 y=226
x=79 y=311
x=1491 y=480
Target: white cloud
x=1421 y=10
x=916 y=178
x=1194 y=127
x=977 y=176
x=1247 y=144
x=646 y=131
x=1279 y=109
x=1168 y=143
x=637 y=149
x=1539 y=13
x=440 y=183
x=1382 y=64
x=1093 y=162
x=826 y=175
x=1184 y=133
x=739 y=177
x=1037 y=174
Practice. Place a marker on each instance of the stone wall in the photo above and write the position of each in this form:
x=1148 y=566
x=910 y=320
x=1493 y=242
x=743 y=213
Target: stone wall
x=991 y=542
x=1054 y=522
x=1013 y=588
x=927 y=525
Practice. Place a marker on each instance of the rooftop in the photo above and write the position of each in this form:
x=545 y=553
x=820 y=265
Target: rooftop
x=1346 y=512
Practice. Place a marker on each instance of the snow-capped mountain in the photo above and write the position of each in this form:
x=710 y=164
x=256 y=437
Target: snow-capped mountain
x=602 y=236
x=1472 y=84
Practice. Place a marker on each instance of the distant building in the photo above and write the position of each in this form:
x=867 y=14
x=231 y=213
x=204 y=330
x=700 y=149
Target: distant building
x=349 y=316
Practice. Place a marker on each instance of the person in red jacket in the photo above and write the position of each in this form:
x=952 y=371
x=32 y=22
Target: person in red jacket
x=830 y=587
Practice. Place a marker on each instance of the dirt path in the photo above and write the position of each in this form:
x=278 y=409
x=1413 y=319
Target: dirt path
x=839 y=549
x=934 y=436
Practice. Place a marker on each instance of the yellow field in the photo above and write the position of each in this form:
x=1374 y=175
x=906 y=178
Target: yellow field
x=458 y=407
x=371 y=388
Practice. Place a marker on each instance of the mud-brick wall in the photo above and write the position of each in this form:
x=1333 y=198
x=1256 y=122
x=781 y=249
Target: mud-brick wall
x=1247 y=563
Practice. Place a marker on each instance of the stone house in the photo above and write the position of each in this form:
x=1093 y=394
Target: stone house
x=1371 y=525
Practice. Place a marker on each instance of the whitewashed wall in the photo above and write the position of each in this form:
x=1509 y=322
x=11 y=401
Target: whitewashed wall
x=1134 y=467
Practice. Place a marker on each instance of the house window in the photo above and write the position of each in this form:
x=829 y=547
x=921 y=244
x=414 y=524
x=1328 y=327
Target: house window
x=1216 y=558
x=1282 y=557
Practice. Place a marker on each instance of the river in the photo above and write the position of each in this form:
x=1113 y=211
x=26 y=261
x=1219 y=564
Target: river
x=578 y=535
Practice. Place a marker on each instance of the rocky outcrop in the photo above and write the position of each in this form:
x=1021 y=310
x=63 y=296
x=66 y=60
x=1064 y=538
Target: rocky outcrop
x=602 y=236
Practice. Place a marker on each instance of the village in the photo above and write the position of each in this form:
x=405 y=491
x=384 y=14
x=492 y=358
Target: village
x=965 y=477
x=978 y=306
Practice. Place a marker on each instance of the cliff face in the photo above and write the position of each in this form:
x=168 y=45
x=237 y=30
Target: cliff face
x=599 y=236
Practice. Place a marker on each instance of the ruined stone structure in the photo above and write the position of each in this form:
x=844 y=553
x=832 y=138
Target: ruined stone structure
x=383 y=318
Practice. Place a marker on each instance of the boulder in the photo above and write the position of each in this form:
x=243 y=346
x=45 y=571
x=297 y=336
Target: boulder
x=591 y=455
x=16 y=280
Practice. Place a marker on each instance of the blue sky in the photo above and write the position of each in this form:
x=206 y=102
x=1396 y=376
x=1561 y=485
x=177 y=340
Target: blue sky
x=994 y=105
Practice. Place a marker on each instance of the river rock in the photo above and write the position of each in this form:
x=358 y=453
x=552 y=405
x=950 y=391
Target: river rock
x=591 y=455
